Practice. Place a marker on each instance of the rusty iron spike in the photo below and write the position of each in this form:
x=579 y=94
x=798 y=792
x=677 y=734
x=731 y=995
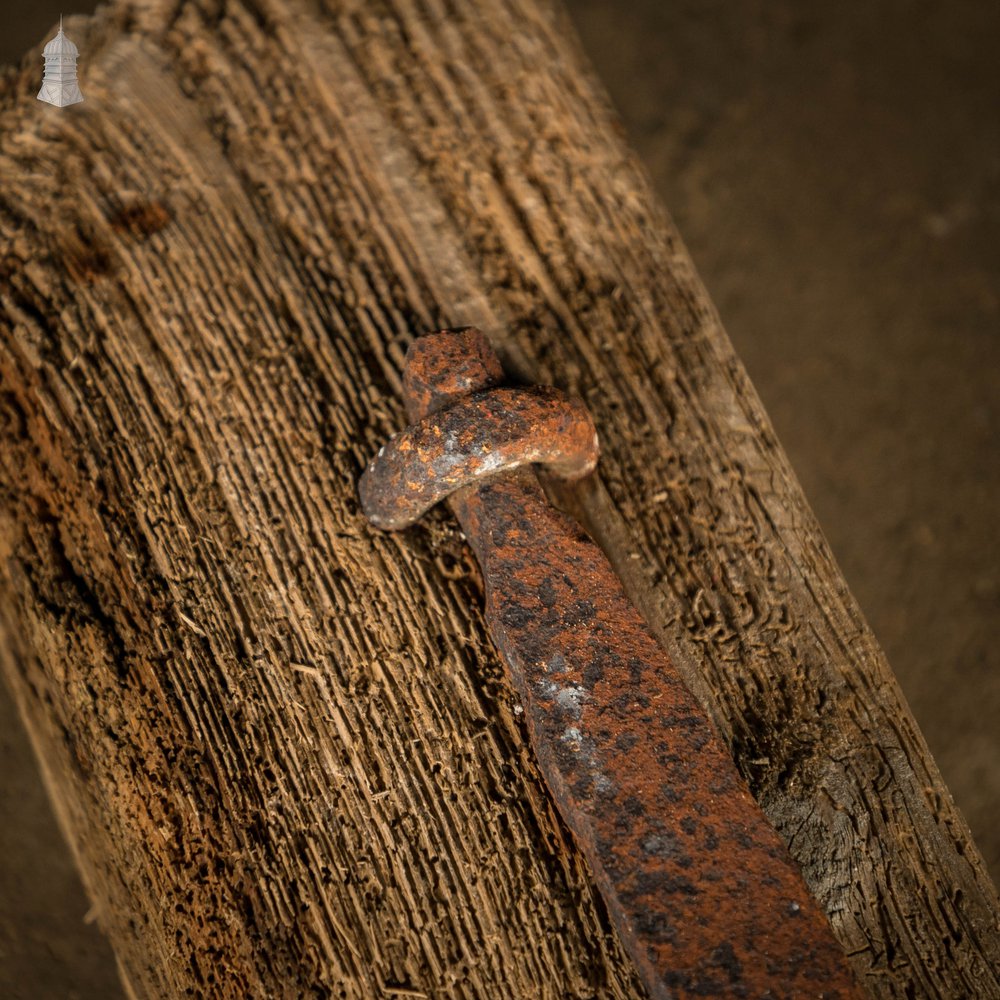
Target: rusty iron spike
x=702 y=890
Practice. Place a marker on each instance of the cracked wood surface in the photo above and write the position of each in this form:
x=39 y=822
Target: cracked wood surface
x=280 y=741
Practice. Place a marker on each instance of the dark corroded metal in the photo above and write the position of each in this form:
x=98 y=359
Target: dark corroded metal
x=702 y=890
x=486 y=433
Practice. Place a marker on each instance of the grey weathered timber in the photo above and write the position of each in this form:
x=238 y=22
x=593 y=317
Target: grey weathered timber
x=280 y=741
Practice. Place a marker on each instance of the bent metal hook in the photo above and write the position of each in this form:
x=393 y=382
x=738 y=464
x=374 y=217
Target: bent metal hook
x=703 y=892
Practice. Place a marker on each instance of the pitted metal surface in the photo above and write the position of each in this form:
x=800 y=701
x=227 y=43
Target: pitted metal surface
x=477 y=437
x=702 y=890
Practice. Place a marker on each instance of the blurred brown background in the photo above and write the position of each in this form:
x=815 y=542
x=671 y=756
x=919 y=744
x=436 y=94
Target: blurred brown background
x=835 y=172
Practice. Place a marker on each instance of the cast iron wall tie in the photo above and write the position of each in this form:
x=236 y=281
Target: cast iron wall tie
x=703 y=893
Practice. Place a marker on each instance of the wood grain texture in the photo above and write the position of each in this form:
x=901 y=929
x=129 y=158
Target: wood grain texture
x=280 y=741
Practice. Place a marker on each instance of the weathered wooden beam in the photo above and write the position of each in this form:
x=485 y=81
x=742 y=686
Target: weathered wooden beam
x=286 y=770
